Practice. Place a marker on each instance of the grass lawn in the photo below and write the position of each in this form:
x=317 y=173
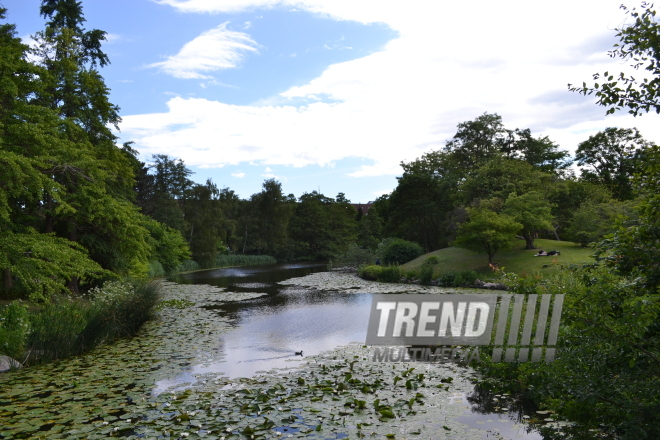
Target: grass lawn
x=517 y=259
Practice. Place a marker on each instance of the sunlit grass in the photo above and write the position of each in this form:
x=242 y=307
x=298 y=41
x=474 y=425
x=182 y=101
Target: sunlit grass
x=517 y=259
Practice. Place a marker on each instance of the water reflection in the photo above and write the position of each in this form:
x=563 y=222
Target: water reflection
x=269 y=330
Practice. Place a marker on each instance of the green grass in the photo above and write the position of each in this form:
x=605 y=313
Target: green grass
x=517 y=259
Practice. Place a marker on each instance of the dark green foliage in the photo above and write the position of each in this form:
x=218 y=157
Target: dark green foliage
x=418 y=209
x=227 y=260
x=398 y=251
x=610 y=158
x=355 y=256
x=68 y=327
x=321 y=228
x=591 y=222
x=426 y=270
x=465 y=278
x=14 y=329
x=187 y=266
x=369 y=229
x=243 y=260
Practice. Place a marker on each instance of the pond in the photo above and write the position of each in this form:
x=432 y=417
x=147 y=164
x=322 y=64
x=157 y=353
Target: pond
x=221 y=362
x=270 y=330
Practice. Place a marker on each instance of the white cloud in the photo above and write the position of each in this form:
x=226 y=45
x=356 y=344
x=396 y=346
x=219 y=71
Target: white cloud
x=451 y=62
x=238 y=175
x=112 y=38
x=268 y=170
x=213 y=50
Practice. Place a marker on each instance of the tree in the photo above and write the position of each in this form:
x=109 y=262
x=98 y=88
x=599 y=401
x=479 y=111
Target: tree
x=205 y=222
x=369 y=229
x=592 y=221
x=541 y=153
x=532 y=211
x=170 y=187
x=487 y=231
x=321 y=228
x=500 y=177
x=611 y=158
x=475 y=142
x=418 y=208
x=272 y=213
x=639 y=44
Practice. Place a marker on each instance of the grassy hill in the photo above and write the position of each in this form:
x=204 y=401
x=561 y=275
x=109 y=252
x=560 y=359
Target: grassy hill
x=517 y=259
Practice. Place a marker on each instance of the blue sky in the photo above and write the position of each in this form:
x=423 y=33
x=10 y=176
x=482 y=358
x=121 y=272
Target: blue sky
x=333 y=95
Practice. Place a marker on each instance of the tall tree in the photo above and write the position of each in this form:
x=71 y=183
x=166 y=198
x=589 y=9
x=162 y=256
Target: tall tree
x=611 y=158
x=487 y=231
x=272 y=214
x=532 y=211
x=541 y=152
x=204 y=218
x=475 y=142
x=418 y=209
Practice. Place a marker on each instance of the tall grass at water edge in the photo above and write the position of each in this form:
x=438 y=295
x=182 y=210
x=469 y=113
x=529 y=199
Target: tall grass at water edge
x=226 y=261
x=71 y=326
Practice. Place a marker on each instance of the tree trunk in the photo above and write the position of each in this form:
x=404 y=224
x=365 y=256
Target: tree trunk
x=529 y=240
x=50 y=220
x=556 y=236
x=73 y=236
x=7 y=283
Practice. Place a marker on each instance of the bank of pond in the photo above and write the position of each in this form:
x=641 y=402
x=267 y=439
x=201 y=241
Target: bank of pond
x=219 y=361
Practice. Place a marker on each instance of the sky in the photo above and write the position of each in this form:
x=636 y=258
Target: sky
x=332 y=95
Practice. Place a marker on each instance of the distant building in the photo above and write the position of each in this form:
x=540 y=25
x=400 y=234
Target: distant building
x=365 y=207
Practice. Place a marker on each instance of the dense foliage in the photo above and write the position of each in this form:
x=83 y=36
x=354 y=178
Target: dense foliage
x=606 y=375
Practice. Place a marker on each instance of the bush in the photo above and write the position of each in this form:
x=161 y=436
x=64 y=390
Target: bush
x=398 y=251
x=354 y=257
x=389 y=274
x=465 y=278
x=155 y=269
x=426 y=270
x=243 y=260
x=446 y=279
x=68 y=327
x=14 y=329
x=188 y=266
x=370 y=273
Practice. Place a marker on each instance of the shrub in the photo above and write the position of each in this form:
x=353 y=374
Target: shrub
x=187 y=266
x=398 y=251
x=243 y=260
x=354 y=257
x=14 y=329
x=66 y=327
x=426 y=270
x=465 y=278
x=155 y=269
x=447 y=279
x=370 y=273
x=389 y=274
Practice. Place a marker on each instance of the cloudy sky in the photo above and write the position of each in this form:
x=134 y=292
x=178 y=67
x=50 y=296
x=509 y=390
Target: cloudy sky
x=332 y=95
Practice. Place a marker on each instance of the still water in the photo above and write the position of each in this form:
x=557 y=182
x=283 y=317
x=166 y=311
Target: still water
x=269 y=330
